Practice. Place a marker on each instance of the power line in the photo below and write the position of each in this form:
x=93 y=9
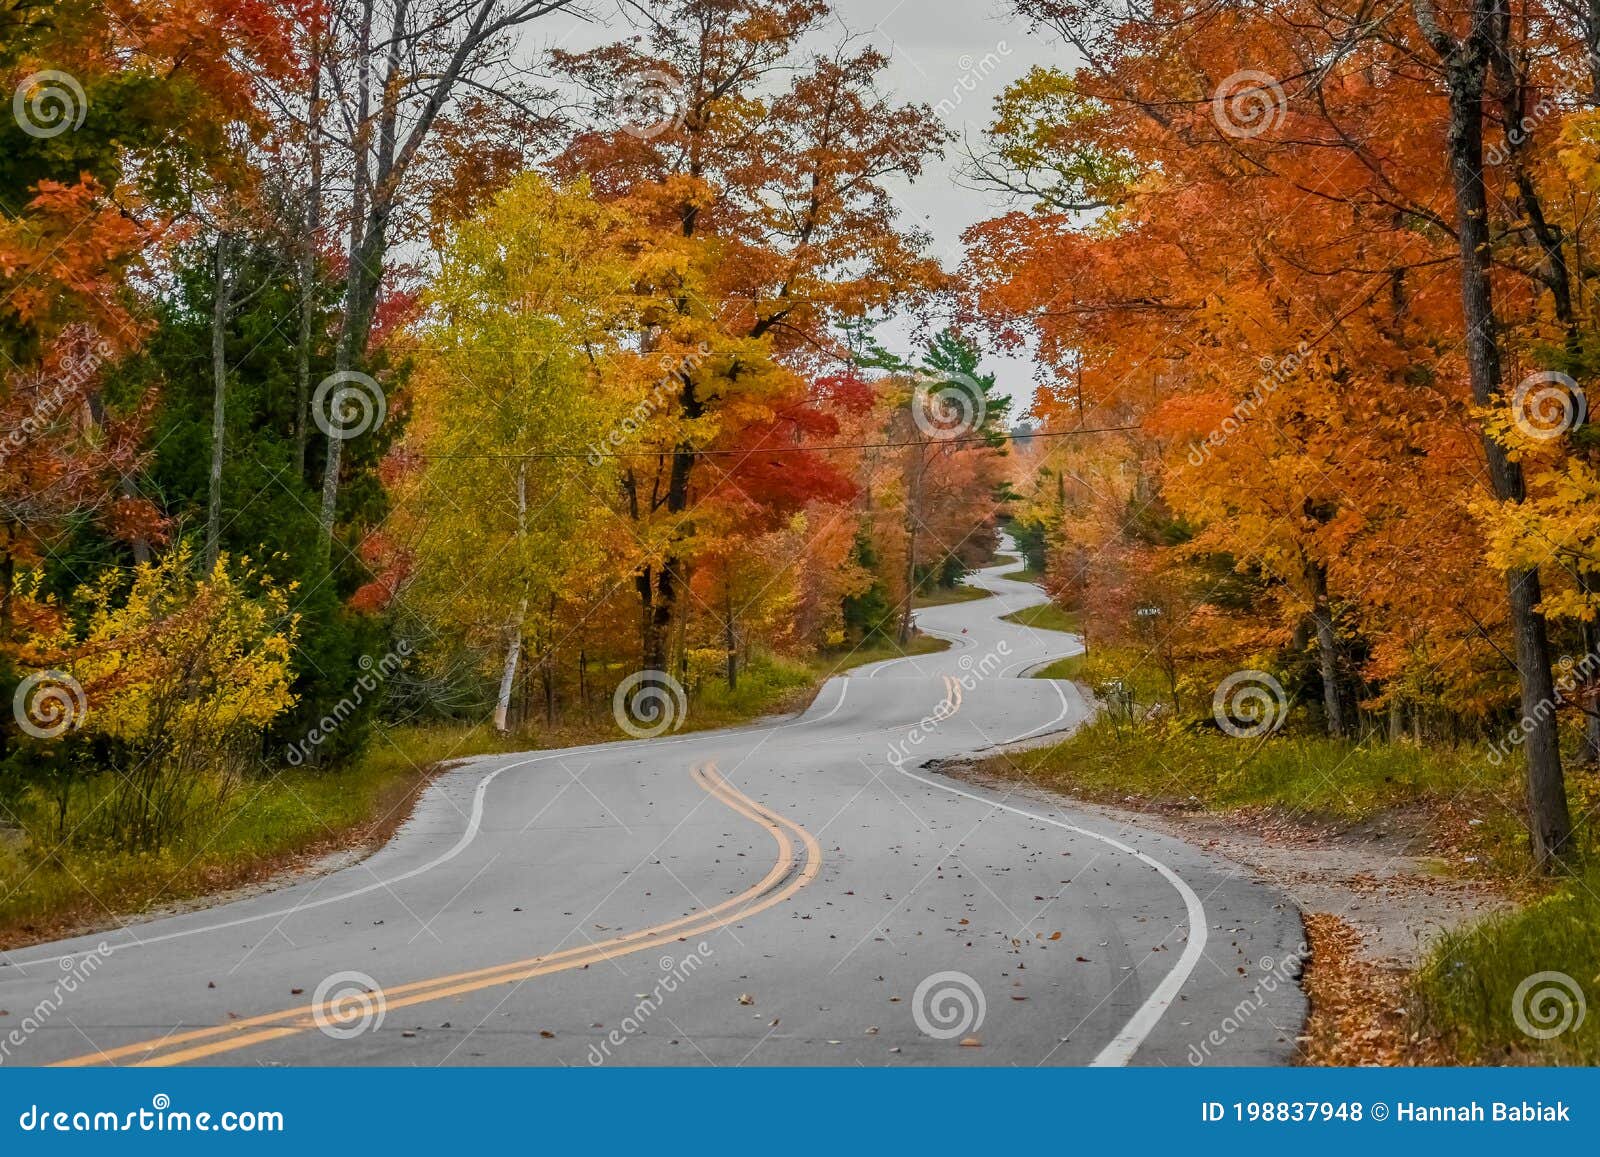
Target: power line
x=597 y=451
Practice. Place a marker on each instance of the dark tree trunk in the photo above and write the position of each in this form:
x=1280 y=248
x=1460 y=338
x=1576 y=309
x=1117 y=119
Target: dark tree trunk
x=1327 y=654
x=1466 y=63
x=221 y=291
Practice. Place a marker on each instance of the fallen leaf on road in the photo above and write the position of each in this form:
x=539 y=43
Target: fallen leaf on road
x=546 y=1034
x=971 y=1042
x=746 y=998
x=1055 y=936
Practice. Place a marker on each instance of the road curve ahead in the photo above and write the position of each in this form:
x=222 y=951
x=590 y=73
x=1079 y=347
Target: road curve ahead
x=800 y=892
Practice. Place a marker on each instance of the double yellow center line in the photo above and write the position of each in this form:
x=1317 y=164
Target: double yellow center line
x=784 y=879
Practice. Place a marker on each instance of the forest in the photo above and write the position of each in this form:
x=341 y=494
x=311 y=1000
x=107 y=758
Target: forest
x=388 y=381
x=367 y=368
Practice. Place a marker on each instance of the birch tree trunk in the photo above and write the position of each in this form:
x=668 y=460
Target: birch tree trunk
x=219 y=398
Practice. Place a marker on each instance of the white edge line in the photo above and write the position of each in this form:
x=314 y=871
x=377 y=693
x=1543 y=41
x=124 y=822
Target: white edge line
x=1122 y=1047
x=474 y=822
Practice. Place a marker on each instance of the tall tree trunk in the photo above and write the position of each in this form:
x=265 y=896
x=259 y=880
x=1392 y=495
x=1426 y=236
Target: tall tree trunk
x=913 y=524
x=1466 y=62
x=1590 y=585
x=1327 y=653
x=730 y=642
x=508 y=671
x=308 y=254
x=219 y=398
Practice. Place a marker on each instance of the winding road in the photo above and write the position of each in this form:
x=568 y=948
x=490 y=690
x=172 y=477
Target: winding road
x=798 y=892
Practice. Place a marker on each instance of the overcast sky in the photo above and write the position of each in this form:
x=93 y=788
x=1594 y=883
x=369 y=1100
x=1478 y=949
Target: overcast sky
x=955 y=55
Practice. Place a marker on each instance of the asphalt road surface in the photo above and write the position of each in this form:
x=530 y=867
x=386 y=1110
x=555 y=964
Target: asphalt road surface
x=804 y=891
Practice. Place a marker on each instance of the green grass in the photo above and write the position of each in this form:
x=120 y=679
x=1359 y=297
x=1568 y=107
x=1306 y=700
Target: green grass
x=1467 y=988
x=1312 y=777
x=1024 y=575
x=943 y=596
x=1046 y=616
x=1003 y=560
x=50 y=888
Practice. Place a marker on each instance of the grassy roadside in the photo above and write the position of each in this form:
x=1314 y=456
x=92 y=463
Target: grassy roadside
x=288 y=820
x=1539 y=964
x=1461 y=1005
x=944 y=596
x=1046 y=616
x=1024 y=574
